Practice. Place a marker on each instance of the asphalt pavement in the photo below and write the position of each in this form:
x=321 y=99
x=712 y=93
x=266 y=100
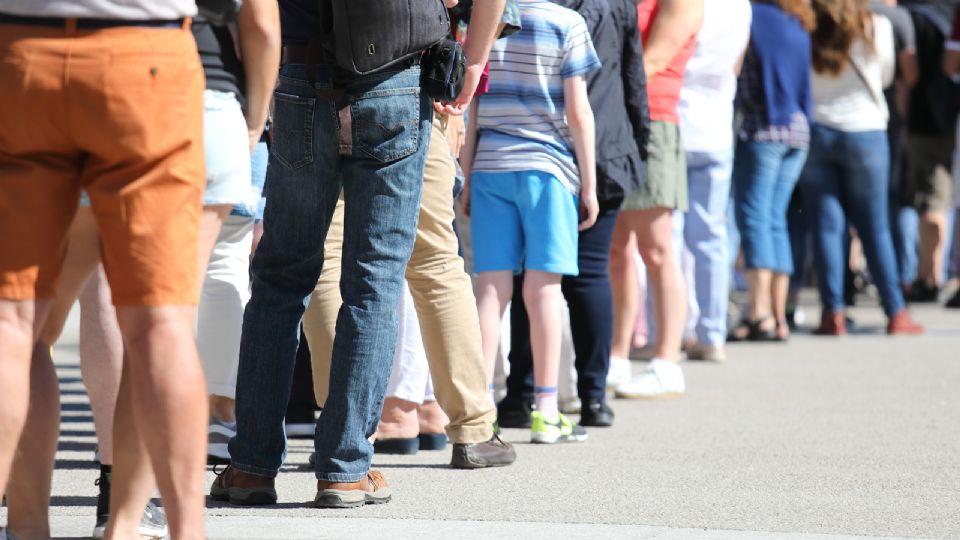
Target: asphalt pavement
x=822 y=438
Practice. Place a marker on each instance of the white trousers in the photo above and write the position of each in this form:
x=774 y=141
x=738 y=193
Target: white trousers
x=226 y=290
x=410 y=379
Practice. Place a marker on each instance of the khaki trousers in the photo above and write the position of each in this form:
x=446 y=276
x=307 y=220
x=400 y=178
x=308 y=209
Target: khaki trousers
x=443 y=295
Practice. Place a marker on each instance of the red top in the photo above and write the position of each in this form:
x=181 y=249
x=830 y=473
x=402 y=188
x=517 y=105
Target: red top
x=663 y=89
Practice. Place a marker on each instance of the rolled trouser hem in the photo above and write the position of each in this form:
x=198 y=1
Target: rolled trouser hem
x=341 y=477
x=470 y=434
x=250 y=469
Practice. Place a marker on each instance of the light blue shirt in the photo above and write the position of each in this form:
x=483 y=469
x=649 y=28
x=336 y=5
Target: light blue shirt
x=521 y=119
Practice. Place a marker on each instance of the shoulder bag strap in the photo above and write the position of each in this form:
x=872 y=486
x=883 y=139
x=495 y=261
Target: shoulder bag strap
x=863 y=78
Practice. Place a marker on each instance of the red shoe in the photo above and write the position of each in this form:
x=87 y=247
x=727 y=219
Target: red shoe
x=832 y=323
x=902 y=324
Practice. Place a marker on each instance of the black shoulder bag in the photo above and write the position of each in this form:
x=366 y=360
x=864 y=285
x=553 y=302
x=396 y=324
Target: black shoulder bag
x=361 y=37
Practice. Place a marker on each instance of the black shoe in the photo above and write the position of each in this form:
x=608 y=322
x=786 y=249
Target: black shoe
x=921 y=293
x=511 y=414
x=103 y=505
x=595 y=413
x=954 y=301
x=493 y=453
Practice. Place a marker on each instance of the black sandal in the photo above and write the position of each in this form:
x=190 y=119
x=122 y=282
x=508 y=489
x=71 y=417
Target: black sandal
x=752 y=330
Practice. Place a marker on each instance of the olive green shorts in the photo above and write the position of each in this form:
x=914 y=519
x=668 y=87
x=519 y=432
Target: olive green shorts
x=929 y=182
x=666 y=182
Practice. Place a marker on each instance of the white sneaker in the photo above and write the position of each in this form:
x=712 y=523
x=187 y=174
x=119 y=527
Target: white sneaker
x=658 y=381
x=619 y=372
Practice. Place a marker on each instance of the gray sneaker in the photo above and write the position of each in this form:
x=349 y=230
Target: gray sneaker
x=153 y=524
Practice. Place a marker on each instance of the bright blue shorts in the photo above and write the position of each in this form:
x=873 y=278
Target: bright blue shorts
x=523 y=221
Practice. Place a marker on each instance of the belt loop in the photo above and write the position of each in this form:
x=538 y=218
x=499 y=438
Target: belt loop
x=70 y=26
x=187 y=22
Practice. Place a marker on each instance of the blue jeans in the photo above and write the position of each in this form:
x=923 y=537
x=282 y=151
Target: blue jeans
x=846 y=177
x=703 y=231
x=378 y=160
x=764 y=175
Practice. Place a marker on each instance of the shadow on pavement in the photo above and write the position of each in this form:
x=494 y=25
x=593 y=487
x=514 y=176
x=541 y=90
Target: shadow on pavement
x=72 y=500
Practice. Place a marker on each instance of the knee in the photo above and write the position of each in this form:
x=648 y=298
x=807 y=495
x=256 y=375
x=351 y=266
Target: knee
x=144 y=327
x=656 y=256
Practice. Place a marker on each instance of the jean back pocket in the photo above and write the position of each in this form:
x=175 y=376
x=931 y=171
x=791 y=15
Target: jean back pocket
x=386 y=123
x=293 y=129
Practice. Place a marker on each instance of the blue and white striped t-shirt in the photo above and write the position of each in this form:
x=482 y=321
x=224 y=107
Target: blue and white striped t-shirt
x=521 y=119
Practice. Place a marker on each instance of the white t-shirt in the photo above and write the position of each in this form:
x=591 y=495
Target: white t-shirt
x=844 y=102
x=710 y=80
x=102 y=9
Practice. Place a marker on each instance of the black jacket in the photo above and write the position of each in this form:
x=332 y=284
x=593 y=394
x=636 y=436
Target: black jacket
x=618 y=94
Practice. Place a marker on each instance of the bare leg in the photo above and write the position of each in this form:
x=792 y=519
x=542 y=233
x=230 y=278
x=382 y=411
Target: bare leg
x=494 y=290
x=399 y=419
x=101 y=358
x=758 y=285
x=29 y=489
x=32 y=474
x=623 y=282
x=780 y=289
x=543 y=299
x=933 y=233
x=432 y=418
x=132 y=479
x=168 y=394
x=17 y=319
x=653 y=228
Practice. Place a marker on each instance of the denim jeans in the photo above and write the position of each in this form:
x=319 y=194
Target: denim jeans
x=374 y=148
x=590 y=301
x=764 y=175
x=703 y=232
x=846 y=177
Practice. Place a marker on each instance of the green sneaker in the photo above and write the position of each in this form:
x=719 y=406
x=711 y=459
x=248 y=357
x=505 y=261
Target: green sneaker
x=558 y=431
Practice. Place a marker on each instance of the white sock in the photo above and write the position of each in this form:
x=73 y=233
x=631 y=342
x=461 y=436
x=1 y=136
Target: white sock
x=491 y=389
x=546 y=398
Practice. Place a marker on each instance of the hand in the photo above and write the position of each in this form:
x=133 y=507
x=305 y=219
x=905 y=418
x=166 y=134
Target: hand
x=450 y=3
x=470 y=81
x=456 y=134
x=589 y=209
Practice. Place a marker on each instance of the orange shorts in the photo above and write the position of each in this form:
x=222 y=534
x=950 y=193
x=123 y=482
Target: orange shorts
x=117 y=112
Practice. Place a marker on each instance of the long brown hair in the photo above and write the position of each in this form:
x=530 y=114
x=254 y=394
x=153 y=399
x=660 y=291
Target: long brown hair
x=840 y=23
x=798 y=9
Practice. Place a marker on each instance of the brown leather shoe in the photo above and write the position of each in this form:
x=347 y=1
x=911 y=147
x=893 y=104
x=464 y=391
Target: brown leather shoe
x=243 y=489
x=902 y=324
x=371 y=489
x=832 y=323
